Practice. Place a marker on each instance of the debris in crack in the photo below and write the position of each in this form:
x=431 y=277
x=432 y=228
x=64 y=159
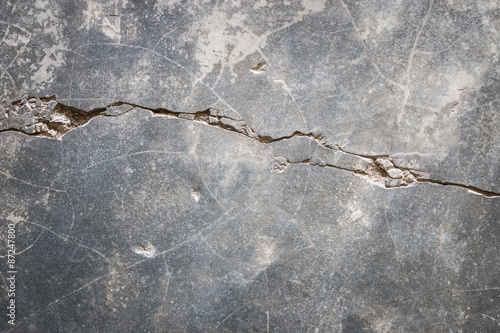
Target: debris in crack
x=384 y=164
x=49 y=118
x=31 y=116
x=44 y=117
x=394 y=176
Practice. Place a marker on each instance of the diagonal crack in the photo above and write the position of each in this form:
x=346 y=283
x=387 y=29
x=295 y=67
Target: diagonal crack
x=48 y=118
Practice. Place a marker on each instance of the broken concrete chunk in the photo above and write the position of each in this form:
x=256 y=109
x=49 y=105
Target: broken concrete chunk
x=238 y=125
x=395 y=173
x=60 y=118
x=41 y=127
x=25 y=108
x=212 y=120
x=188 y=116
x=421 y=174
x=44 y=114
x=52 y=133
x=395 y=183
x=384 y=163
x=409 y=177
x=15 y=122
x=52 y=105
x=29 y=129
x=216 y=112
x=12 y=110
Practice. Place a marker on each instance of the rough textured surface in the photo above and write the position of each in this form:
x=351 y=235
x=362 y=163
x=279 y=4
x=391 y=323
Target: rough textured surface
x=295 y=166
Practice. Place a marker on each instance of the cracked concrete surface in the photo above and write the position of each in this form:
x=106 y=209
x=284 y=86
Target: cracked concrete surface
x=341 y=173
x=47 y=117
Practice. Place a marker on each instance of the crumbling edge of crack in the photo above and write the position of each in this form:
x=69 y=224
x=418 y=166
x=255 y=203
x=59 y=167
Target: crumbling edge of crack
x=53 y=119
x=420 y=179
x=471 y=189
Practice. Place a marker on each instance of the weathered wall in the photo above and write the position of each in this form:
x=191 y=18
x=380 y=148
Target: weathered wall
x=258 y=166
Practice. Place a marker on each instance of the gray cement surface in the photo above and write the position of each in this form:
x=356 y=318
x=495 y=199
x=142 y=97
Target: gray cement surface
x=250 y=166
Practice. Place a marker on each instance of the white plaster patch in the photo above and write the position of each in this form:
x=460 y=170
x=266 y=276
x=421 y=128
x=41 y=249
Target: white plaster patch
x=14 y=219
x=47 y=17
x=313 y=6
x=92 y=14
x=223 y=37
x=54 y=58
x=168 y=6
x=15 y=38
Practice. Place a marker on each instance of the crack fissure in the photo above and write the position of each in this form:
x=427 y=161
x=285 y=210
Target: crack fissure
x=48 y=118
x=470 y=188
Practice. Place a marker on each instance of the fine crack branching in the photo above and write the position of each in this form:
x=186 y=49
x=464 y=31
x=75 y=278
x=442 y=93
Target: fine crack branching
x=48 y=118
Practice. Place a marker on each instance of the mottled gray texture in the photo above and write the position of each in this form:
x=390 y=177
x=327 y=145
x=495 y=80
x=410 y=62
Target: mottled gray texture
x=295 y=166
